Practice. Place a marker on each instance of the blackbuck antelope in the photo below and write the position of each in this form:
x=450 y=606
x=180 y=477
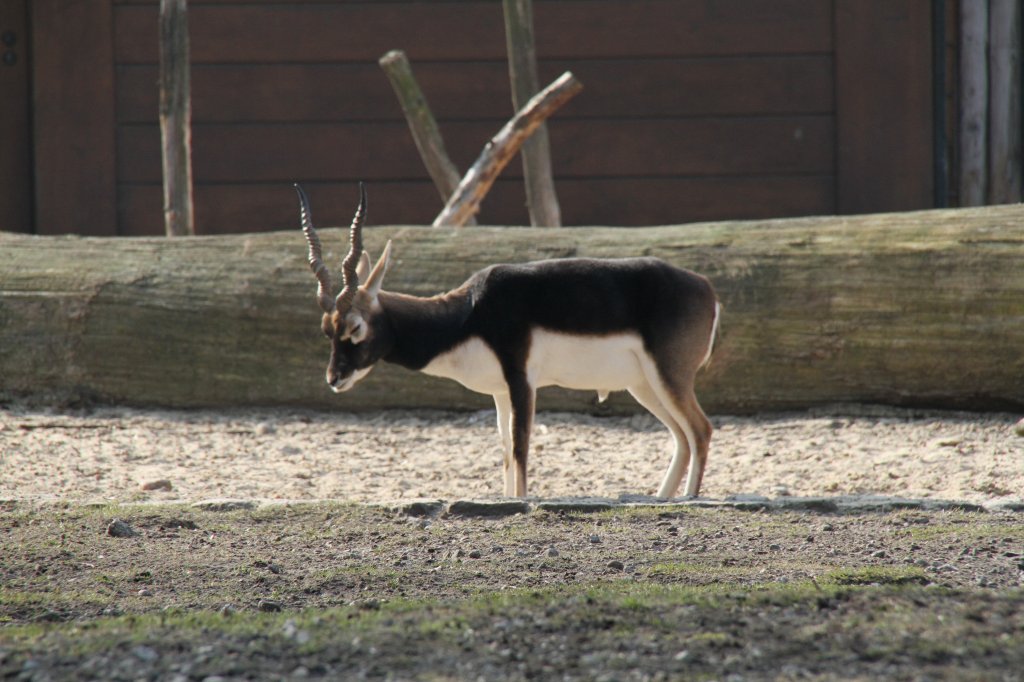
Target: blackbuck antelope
x=635 y=324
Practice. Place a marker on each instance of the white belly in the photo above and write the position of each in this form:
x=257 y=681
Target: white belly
x=600 y=363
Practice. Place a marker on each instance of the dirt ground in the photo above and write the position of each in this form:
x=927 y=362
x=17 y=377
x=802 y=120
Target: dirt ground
x=117 y=454
x=330 y=591
x=93 y=586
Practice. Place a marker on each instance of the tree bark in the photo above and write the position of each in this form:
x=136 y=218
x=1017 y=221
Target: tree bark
x=422 y=124
x=541 y=198
x=909 y=309
x=176 y=119
x=477 y=181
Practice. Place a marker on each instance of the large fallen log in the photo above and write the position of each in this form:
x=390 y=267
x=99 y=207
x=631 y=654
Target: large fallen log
x=918 y=308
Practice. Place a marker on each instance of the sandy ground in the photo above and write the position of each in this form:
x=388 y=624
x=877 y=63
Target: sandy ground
x=114 y=454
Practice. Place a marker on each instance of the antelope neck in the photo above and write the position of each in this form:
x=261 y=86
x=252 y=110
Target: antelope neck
x=424 y=328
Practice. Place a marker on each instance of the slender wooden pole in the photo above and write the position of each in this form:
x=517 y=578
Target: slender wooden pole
x=1004 y=102
x=422 y=125
x=973 y=101
x=541 y=199
x=176 y=118
x=465 y=202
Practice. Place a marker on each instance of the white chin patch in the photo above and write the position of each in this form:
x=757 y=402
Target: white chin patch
x=351 y=381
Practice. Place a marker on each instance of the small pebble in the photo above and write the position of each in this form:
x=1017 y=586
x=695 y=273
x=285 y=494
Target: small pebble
x=595 y=539
x=119 y=529
x=774 y=547
x=145 y=653
x=475 y=554
x=616 y=565
x=159 y=484
x=1019 y=428
x=880 y=554
x=145 y=593
x=552 y=552
x=268 y=605
x=265 y=429
x=292 y=631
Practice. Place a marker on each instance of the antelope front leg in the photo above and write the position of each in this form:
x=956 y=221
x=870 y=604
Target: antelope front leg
x=522 y=397
x=503 y=406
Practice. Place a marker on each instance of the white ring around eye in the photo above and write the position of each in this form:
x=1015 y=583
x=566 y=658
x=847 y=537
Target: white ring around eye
x=358 y=333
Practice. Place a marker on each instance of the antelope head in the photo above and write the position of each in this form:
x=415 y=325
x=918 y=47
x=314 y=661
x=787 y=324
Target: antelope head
x=353 y=320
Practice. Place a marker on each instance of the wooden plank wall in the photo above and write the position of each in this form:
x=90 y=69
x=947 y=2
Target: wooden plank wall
x=73 y=117
x=16 y=157
x=691 y=110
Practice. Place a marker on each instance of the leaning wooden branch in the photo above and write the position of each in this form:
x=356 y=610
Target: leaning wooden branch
x=422 y=124
x=465 y=202
x=175 y=118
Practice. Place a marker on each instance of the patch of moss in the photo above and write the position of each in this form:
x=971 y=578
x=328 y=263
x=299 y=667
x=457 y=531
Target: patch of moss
x=877 y=575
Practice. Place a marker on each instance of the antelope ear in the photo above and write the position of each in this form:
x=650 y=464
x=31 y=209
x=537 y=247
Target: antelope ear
x=376 y=278
x=363 y=268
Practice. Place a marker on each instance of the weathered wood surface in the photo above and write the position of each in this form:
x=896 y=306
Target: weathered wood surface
x=916 y=308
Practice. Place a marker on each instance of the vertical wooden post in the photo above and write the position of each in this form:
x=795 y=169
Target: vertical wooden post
x=973 y=101
x=1004 y=102
x=175 y=118
x=422 y=124
x=522 y=66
